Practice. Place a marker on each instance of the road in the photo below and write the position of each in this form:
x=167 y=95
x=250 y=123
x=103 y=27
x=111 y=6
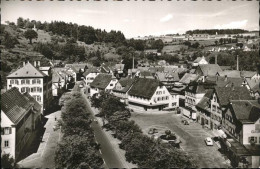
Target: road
x=109 y=152
x=192 y=137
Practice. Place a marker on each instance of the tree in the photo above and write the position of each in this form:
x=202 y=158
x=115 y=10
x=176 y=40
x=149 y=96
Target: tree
x=20 y=22
x=30 y=34
x=8 y=162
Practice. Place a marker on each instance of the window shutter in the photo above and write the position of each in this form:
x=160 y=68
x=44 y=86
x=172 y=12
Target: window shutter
x=10 y=130
x=2 y=131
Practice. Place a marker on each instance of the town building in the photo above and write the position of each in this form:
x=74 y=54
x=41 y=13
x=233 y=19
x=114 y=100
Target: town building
x=200 y=61
x=30 y=79
x=220 y=100
x=77 y=70
x=151 y=94
x=253 y=85
x=204 y=109
x=208 y=70
x=168 y=79
x=103 y=82
x=20 y=114
x=194 y=92
x=122 y=88
x=241 y=123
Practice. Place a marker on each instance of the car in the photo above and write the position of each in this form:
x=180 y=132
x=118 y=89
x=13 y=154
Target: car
x=185 y=122
x=152 y=131
x=209 y=141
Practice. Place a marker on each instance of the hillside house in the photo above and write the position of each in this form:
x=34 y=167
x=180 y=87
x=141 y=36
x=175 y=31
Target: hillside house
x=151 y=94
x=20 y=114
x=103 y=82
x=30 y=79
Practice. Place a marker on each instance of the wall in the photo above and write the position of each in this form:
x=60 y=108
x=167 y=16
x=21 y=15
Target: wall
x=112 y=84
x=247 y=132
x=6 y=122
x=90 y=77
x=93 y=91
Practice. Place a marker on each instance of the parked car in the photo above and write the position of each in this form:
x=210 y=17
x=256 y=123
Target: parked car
x=152 y=131
x=185 y=122
x=209 y=141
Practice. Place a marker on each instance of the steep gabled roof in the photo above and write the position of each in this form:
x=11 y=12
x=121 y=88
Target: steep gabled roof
x=188 y=77
x=230 y=73
x=15 y=105
x=225 y=94
x=126 y=83
x=196 y=88
x=246 y=110
x=101 y=81
x=220 y=81
x=209 y=69
x=119 y=66
x=27 y=71
x=205 y=101
x=36 y=105
x=172 y=76
x=248 y=73
x=91 y=70
x=144 y=88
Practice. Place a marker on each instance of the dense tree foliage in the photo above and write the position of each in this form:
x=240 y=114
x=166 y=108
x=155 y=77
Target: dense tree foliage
x=213 y=31
x=78 y=147
x=140 y=149
x=8 y=162
x=30 y=34
x=8 y=40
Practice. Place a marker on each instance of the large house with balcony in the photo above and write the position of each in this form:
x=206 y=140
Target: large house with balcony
x=220 y=100
x=30 y=79
x=20 y=114
x=241 y=123
x=151 y=94
x=103 y=82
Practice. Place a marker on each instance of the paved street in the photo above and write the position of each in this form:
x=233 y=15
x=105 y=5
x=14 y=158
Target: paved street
x=192 y=137
x=44 y=157
x=110 y=151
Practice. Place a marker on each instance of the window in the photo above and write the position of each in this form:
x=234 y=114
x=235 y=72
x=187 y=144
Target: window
x=163 y=92
x=38 y=81
x=7 y=130
x=34 y=97
x=33 y=81
x=111 y=84
x=174 y=104
x=252 y=139
x=27 y=89
x=6 y=143
x=38 y=98
x=167 y=98
x=11 y=81
x=39 y=89
x=27 y=81
x=16 y=82
x=23 y=89
x=22 y=81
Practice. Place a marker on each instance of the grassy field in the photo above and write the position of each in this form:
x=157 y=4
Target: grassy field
x=172 y=48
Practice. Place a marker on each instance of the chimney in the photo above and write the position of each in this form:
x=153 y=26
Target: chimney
x=39 y=63
x=216 y=59
x=237 y=63
x=34 y=64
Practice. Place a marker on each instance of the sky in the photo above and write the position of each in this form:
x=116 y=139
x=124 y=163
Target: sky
x=139 y=18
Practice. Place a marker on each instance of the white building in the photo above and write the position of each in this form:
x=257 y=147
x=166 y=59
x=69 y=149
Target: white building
x=200 y=61
x=20 y=114
x=103 y=82
x=30 y=79
x=150 y=94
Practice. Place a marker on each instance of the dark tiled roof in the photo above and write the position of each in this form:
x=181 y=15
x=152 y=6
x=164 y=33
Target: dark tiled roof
x=248 y=73
x=225 y=94
x=144 y=88
x=101 y=81
x=156 y=69
x=223 y=81
x=126 y=83
x=209 y=69
x=246 y=110
x=230 y=73
x=35 y=104
x=146 y=74
x=27 y=71
x=91 y=70
x=14 y=105
x=254 y=84
x=196 y=88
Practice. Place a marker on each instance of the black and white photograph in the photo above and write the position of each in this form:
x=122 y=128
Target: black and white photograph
x=130 y=84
